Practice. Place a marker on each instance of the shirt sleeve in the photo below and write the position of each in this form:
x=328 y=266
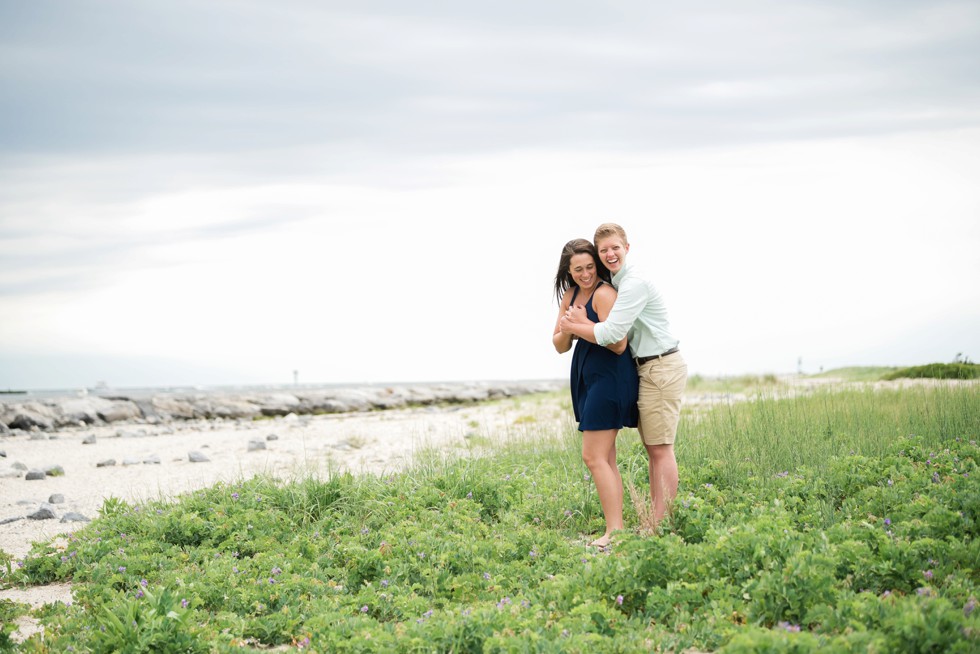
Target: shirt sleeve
x=629 y=303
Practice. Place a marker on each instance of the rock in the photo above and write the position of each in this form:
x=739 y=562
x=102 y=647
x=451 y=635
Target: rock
x=43 y=513
x=56 y=498
x=17 y=465
x=85 y=410
x=255 y=445
x=89 y=440
x=121 y=410
x=13 y=519
x=278 y=404
x=34 y=475
x=171 y=408
x=38 y=436
x=153 y=459
x=130 y=461
x=4 y=429
x=105 y=463
x=272 y=437
x=72 y=516
x=3 y=454
x=10 y=473
x=28 y=416
x=197 y=457
x=54 y=471
x=233 y=408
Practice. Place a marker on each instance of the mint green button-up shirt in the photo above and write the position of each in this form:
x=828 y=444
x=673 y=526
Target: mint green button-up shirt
x=639 y=314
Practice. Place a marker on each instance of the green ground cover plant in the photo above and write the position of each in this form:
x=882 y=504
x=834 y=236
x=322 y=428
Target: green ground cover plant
x=956 y=370
x=838 y=521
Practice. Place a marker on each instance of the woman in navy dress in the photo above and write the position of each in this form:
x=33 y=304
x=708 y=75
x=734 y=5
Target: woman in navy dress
x=604 y=382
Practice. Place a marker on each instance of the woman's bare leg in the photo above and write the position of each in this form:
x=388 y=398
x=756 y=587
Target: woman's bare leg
x=599 y=454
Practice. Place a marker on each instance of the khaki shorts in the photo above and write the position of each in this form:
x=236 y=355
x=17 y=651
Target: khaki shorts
x=662 y=383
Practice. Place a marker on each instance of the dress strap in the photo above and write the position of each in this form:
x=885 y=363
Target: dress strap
x=574 y=295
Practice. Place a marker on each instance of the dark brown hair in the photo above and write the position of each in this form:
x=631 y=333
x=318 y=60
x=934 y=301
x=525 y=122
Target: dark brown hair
x=563 y=279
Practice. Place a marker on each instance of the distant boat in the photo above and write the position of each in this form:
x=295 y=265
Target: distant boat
x=10 y=391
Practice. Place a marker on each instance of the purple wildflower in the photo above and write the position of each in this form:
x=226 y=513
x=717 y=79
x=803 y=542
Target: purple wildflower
x=619 y=600
x=384 y=583
x=184 y=603
x=888 y=521
x=969 y=607
x=794 y=628
x=364 y=609
x=927 y=574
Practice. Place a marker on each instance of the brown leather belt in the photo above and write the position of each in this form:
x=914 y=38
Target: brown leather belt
x=641 y=360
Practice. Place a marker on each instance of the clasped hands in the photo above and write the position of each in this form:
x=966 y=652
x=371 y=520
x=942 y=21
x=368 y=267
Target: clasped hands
x=574 y=315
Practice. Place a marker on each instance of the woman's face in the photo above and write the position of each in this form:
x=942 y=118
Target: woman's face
x=583 y=271
x=612 y=250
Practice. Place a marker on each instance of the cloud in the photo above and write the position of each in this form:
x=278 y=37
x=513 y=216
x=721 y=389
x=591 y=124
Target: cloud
x=187 y=77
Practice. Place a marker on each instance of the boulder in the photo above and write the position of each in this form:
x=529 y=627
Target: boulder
x=72 y=516
x=34 y=475
x=174 y=408
x=232 y=408
x=278 y=404
x=31 y=415
x=120 y=411
x=76 y=410
x=197 y=457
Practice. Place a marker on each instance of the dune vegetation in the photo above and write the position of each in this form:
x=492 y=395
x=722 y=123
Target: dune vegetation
x=837 y=520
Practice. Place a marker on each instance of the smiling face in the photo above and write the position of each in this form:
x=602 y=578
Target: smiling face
x=583 y=270
x=612 y=252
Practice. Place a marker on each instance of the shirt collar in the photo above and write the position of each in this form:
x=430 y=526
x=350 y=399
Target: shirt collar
x=618 y=277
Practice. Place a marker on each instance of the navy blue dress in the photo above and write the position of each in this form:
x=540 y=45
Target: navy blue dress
x=604 y=384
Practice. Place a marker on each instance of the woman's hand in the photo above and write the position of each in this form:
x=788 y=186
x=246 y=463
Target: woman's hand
x=575 y=315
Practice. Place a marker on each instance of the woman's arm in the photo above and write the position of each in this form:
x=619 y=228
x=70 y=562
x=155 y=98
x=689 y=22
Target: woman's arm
x=562 y=340
x=603 y=301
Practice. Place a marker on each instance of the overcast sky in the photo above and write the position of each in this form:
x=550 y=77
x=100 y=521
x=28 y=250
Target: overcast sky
x=226 y=192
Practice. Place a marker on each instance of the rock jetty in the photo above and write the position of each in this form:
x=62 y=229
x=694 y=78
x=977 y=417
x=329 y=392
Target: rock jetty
x=50 y=414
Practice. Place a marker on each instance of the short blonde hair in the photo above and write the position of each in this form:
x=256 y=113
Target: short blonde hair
x=605 y=230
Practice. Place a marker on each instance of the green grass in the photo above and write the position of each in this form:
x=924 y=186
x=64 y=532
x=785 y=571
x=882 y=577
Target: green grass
x=840 y=521
x=938 y=371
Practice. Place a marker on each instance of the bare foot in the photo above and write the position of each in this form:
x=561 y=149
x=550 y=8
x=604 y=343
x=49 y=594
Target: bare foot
x=602 y=542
